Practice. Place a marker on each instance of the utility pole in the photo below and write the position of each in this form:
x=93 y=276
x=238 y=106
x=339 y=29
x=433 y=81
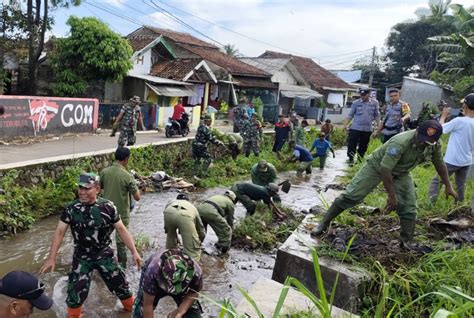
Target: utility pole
x=372 y=67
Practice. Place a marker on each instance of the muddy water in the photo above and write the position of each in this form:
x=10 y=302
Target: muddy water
x=222 y=275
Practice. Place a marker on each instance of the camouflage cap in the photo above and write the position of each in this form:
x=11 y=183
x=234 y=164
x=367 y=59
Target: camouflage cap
x=177 y=271
x=88 y=180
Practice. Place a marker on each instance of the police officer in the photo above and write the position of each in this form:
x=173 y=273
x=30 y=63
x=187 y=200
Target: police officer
x=248 y=193
x=171 y=273
x=391 y=163
x=363 y=112
x=203 y=137
x=218 y=212
x=251 y=133
x=263 y=173
x=397 y=113
x=130 y=115
x=236 y=143
x=92 y=221
x=182 y=215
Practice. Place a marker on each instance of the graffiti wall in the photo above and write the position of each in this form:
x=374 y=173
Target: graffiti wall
x=37 y=116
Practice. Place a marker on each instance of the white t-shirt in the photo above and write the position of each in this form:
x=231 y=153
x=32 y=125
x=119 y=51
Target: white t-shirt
x=460 y=149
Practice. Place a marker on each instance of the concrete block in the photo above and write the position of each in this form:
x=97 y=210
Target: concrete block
x=265 y=292
x=294 y=259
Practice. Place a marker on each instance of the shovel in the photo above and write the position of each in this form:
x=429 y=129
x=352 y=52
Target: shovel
x=285 y=186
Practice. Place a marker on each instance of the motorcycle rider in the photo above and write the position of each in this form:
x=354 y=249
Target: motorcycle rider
x=178 y=112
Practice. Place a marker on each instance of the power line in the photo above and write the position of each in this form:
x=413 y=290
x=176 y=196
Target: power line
x=124 y=17
x=344 y=54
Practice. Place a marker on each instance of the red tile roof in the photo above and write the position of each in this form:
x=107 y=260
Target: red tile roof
x=316 y=75
x=231 y=64
x=174 y=69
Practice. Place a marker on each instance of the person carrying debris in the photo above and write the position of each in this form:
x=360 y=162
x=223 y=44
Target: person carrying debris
x=391 y=164
x=92 y=220
x=460 y=150
x=218 y=212
x=397 y=113
x=182 y=215
x=251 y=133
x=322 y=145
x=130 y=115
x=304 y=157
x=364 y=111
x=171 y=273
x=248 y=193
x=118 y=186
x=236 y=143
x=263 y=173
x=204 y=135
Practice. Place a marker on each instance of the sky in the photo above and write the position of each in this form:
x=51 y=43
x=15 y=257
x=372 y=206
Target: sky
x=335 y=33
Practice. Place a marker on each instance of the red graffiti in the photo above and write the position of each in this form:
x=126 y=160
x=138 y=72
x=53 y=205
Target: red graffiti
x=42 y=111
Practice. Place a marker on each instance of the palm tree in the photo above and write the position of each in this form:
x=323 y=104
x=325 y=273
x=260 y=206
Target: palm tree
x=230 y=50
x=437 y=9
x=457 y=49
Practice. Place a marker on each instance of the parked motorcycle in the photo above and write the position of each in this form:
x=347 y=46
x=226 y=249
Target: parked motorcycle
x=173 y=127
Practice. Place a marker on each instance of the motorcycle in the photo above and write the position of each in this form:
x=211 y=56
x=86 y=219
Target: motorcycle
x=173 y=127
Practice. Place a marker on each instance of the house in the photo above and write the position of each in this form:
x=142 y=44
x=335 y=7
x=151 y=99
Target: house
x=333 y=89
x=294 y=91
x=416 y=91
x=215 y=75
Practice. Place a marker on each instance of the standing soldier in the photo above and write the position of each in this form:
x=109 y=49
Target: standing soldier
x=363 y=112
x=203 y=137
x=130 y=115
x=248 y=193
x=92 y=221
x=182 y=215
x=397 y=113
x=218 y=212
x=263 y=173
x=251 y=133
x=240 y=111
x=171 y=273
x=391 y=164
x=118 y=185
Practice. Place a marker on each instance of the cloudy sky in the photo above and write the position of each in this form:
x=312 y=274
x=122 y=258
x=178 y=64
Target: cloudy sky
x=333 y=32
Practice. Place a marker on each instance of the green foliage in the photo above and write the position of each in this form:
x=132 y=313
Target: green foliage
x=143 y=242
x=224 y=107
x=91 y=52
x=258 y=104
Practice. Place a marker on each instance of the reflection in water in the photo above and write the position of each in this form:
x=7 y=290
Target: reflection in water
x=28 y=250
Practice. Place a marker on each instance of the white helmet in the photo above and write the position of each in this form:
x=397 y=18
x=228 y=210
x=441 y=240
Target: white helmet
x=159 y=176
x=231 y=195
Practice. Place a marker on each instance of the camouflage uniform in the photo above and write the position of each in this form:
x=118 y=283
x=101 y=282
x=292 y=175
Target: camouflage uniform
x=218 y=212
x=182 y=215
x=247 y=193
x=203 y=137
x=240 y=111
x=236 y=143
x=128 y=129
x=91 y=227
x=171 y=273
x=251 y=134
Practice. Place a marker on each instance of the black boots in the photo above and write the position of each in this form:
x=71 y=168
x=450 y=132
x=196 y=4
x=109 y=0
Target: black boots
x=332 y=212
x=407 y=231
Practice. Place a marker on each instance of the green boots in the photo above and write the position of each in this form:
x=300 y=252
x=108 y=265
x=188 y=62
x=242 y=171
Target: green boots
x=332 y=212
x=407 y=231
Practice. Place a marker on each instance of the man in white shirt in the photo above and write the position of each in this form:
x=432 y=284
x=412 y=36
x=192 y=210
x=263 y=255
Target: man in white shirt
x=460 y=150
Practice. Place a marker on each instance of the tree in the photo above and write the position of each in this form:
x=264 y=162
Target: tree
x=437 y=9
x=91 y=52
x=230 y=50
x=409 y=50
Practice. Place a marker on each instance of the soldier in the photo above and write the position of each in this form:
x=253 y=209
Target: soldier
x=251 y=133
x=236 y=143
x=218 y=212
x=263 y=173
x=130 y=115
x=118 y=185
x=171 y=273
x=397 y=114
x=240 y=111
x=182 y=215
x=391 y=163
x=92 y=221
x=20 y=292
x=302 y=155
x=363 y=112
x=203 y=137
x=247 y=193
x=322 y=145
